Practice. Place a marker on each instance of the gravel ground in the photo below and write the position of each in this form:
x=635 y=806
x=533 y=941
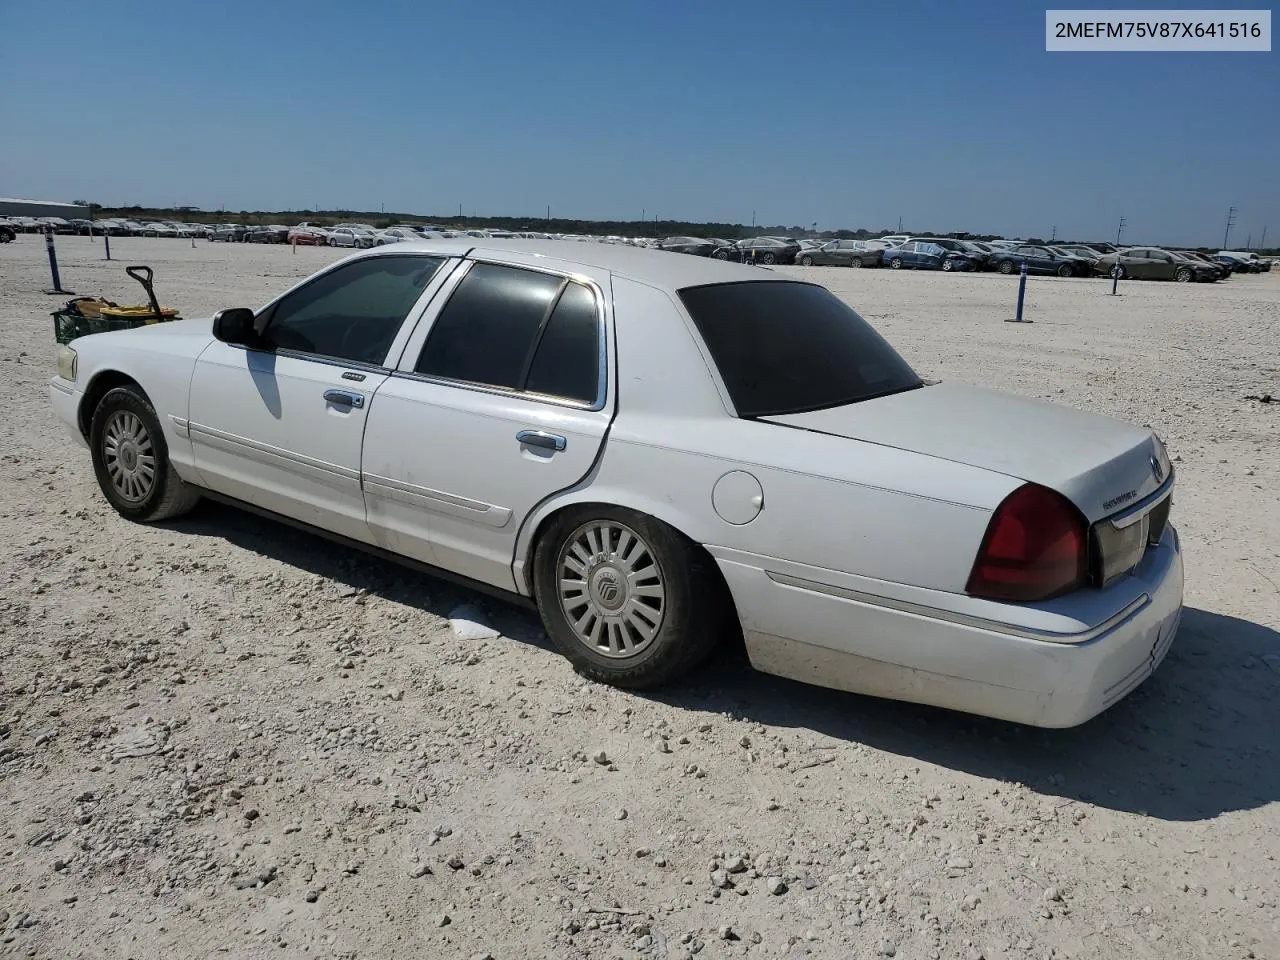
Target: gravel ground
x=227 y=738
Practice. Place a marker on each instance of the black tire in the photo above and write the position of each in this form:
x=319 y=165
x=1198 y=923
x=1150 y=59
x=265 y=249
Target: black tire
x=1117 y=272
x=7 y=235
x=1065 y=270
x=806 y=261
x=1184 y=275
x=895 y=263
x=855 y=263
x=769 y=259
x=694 y=611
x=1006 y=267
x=948 y=265
x=721 y=254
x=167 y=495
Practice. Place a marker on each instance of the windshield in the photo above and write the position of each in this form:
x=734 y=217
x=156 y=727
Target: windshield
x=786 y=347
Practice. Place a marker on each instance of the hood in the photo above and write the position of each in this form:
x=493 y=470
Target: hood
x=1100 y=464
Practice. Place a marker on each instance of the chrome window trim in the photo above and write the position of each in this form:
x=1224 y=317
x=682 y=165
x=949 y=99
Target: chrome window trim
x=962 y=619
x=458 y=276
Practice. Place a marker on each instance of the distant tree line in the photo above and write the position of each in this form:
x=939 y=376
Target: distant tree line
x=603 y=228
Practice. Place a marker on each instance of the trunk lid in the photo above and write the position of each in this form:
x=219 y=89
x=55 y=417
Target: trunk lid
x=1100 y=464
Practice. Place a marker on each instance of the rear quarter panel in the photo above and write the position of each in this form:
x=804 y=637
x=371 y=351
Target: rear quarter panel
x=828 y=502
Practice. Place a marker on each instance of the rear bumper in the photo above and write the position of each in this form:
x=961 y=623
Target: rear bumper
x=847 y=640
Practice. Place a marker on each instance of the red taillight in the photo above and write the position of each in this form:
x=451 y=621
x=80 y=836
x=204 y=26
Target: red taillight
x=1034 y=548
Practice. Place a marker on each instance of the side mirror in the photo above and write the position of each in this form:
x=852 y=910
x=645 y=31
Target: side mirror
x=236 y=325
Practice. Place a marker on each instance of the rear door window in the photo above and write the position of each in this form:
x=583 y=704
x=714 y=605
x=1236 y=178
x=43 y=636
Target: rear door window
x=518 y=330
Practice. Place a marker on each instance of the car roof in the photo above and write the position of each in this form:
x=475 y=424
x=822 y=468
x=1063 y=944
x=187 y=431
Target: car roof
x=660 y=268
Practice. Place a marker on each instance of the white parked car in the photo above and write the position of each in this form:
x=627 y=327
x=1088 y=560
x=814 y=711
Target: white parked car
x=658 y=452
x=395 y=235
x=352 y=237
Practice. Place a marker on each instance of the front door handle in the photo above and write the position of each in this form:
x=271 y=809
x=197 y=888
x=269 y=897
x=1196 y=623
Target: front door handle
x=344 y=398
x=537 y=438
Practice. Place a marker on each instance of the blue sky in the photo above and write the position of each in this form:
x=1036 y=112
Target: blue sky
x=949 y=115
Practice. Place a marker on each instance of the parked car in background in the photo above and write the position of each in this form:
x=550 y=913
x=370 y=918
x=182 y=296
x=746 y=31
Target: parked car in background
x=1151 y=263
x=843 y=253
x=1082 y=265
x=308 y=236
x=895 y=239
x=8 y=231
x=924 y=255
x=612 y=472
x=697 y=246
x=352 y=237
x=957 y=248
x=769 y=250
x=1252 y=262
x=395 y=235
x=1223 y=270
x=724 y=249
x=1101 y=246
x=1037 y=258
x=269 y=233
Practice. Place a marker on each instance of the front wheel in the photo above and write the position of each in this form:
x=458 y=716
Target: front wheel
x=1065 y=270
x=625 y=598
x=1184 y=275
x=948 y=265
x=131 y=459
x=895 y=263
x=806 y=261
x=856 y=262
x=1006 y=267
x=769 y=259
x=1117 y=272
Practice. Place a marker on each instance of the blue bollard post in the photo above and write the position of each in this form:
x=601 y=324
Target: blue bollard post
x=106 y=241
x=1115 y=276
x=53 y=264
x=1022 y=293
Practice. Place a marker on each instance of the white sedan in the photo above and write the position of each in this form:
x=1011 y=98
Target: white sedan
x=660 y=452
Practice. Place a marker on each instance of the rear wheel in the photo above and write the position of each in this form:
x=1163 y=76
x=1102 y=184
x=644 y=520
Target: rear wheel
x=895 y=263
x=131 y=459
x=625 y=598
x=1184 y=275
x=856 y=262
x=1117 y=272
x=769 y=259
x=1065 y=270
x=1006 y=267
x=806 y=261
x=948 y=265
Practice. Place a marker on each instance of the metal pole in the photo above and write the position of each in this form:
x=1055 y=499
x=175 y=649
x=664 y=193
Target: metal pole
x=106 y=241
x=53 y=264
x=1022 y=293
x=1231 y=219
x=1115 y=275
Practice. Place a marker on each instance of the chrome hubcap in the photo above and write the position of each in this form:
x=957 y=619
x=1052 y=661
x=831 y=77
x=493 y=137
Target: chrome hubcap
x=611 y=588
x=129 y=456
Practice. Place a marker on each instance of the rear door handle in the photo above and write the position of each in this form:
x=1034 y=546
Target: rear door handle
x=344 y=398
x=537 y=438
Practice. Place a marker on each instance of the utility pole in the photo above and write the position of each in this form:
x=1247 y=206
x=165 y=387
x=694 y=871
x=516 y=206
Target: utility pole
x=753 y=219
x=1119 y=230
x=1248 y=244
x=1263 y=244
x=899 y=224
x=548 y=213
x=1231 y=219
x=1054 y=235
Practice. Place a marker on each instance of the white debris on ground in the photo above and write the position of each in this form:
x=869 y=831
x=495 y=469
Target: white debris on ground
x=225 y=738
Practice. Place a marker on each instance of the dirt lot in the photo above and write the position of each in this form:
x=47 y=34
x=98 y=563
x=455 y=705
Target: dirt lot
x=226 y=738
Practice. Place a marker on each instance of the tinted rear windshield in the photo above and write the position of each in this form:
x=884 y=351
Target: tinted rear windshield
x=785 y=347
